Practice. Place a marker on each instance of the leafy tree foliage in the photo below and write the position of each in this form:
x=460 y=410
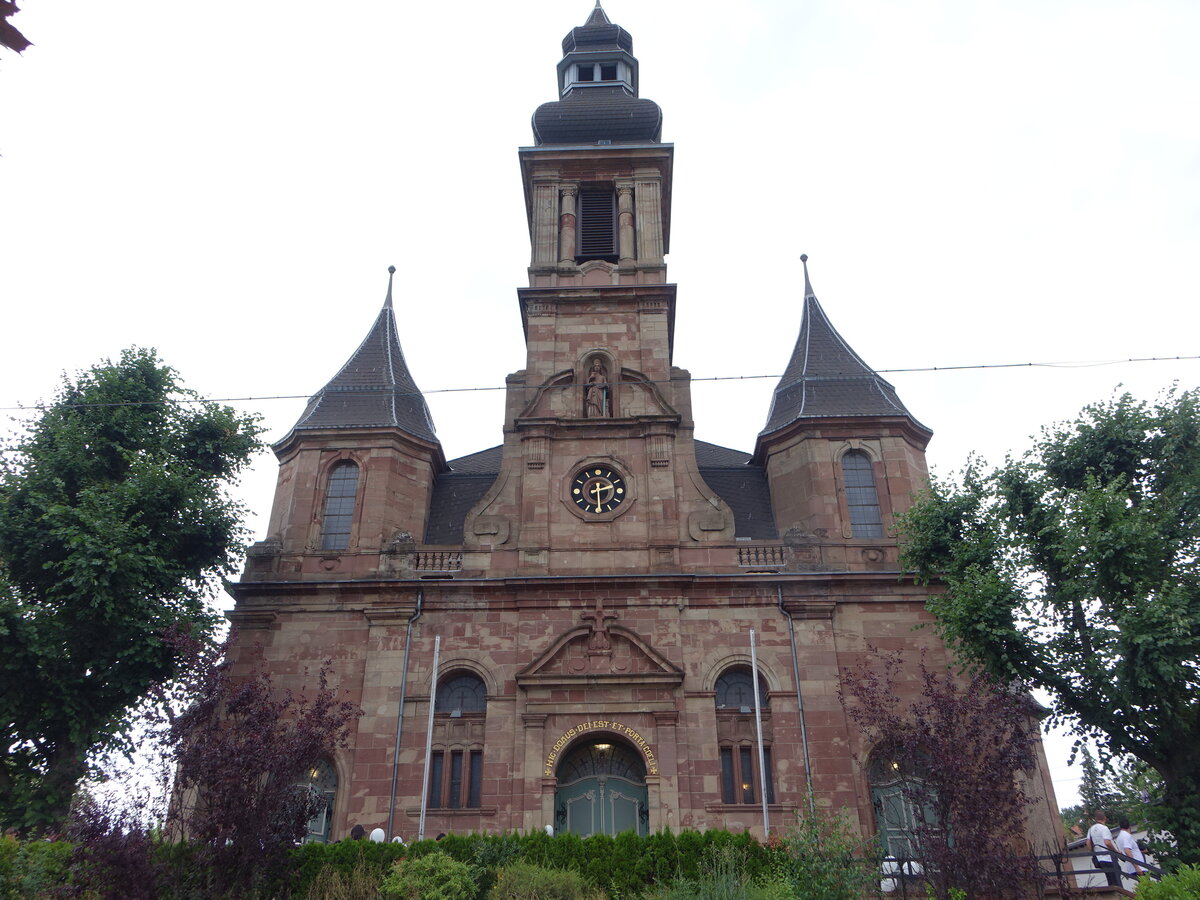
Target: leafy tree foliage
x=964 y=747
x=1076 y=569
x=1128 y=788
x=114 y=516
x=10 y=37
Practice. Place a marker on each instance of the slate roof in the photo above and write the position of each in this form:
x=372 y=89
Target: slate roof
x=597 y=33
x=825 y=378
x=598 y=111
x=373 y=389
x=454 y=493
x=741 y=484
x=598 y=114
x=728 y=472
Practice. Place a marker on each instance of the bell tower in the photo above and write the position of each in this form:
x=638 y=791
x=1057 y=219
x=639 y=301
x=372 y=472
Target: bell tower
x=599 y=468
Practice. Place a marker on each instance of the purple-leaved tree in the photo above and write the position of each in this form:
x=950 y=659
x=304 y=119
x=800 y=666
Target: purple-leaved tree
x=239 y=753
x=243 y=749
x=950 y=769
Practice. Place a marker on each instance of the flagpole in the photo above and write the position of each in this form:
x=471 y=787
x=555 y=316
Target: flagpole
x=762 y=763
x=437 y=649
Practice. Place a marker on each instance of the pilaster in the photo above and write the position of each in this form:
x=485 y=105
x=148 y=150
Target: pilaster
x=545 y=221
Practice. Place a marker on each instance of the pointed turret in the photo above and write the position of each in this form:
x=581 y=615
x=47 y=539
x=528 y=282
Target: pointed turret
x=825 y=378
x=357 y=470
x=374 y=388
x=843 y=455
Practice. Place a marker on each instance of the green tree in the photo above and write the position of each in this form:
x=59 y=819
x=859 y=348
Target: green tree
x=1076 y=569
x=1127 y=789
x=114 y=517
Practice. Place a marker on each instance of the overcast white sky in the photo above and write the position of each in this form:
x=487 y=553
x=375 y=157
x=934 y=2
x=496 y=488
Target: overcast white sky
x=974 y=182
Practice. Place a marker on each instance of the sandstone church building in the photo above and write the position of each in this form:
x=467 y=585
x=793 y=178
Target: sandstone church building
x=589 y=585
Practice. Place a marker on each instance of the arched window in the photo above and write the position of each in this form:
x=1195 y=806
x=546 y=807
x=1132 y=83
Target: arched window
x=339 y=506
x=456 y=760
x=737 y=739
x=861 y=496
x=463 y=693
x=735 y=690
x=321 y=783
x=903 y=801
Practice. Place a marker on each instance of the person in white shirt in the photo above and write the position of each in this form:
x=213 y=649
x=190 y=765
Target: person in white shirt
x=1127 y=845
x=1100 y=837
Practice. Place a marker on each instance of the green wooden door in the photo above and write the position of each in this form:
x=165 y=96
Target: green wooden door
x=601 y=790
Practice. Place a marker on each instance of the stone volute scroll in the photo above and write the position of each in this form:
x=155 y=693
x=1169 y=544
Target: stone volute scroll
x=597 y=393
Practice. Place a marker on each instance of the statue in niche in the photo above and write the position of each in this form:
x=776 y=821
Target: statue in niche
x=596 y=398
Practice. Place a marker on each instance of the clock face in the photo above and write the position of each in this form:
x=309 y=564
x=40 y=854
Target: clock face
x=598 y=489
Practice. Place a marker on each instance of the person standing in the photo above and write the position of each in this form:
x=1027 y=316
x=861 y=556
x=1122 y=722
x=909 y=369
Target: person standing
x=1127 y=845
x=1099 y=837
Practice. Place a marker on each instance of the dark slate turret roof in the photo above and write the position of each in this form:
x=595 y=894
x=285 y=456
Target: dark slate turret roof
x=374 y=388
x=597 y=33
x=598 y=111
x=826 y=378
x=598 y=114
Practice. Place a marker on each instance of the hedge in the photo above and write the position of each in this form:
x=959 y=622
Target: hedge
x=623 y=866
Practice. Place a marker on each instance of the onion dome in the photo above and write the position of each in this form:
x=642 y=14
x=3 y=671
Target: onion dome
x=598 y=90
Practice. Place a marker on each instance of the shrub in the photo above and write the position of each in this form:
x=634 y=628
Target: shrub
x=331 y=883
x=1184 y=884
x=312 y=861
x=823 y=859
x=523 y=881
x=434 y=876
x=727 y=873
x=33 y=868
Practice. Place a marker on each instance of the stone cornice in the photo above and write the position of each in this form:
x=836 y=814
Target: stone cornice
x=873 y=426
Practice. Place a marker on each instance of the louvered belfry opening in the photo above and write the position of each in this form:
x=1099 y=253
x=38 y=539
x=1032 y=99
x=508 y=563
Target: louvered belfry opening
x=597 y=224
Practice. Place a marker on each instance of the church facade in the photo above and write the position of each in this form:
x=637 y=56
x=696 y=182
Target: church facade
x=558 y=630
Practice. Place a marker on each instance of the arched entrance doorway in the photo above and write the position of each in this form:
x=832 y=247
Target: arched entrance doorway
x=601 y=790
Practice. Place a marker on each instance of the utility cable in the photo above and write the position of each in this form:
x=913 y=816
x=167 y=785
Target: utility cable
x=1065 y=364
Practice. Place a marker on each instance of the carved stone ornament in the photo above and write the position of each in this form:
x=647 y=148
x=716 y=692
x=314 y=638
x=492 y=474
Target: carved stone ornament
x=597 y=394
x=598 y=640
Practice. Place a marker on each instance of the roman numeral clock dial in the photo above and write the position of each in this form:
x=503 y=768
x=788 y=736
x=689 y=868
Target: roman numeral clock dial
x=598 y=489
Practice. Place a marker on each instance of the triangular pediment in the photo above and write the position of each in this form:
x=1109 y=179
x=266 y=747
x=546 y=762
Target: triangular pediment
x=611 y=654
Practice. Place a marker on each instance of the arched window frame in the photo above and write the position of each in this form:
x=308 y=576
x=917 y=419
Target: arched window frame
x=456 y=757
x=862 y=494
x=737 y=739
x=342 y=483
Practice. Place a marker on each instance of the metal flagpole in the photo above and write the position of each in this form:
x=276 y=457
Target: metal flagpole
x=437 y=649
x=762 y=767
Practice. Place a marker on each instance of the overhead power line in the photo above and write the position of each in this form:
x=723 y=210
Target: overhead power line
x=1065 y=364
